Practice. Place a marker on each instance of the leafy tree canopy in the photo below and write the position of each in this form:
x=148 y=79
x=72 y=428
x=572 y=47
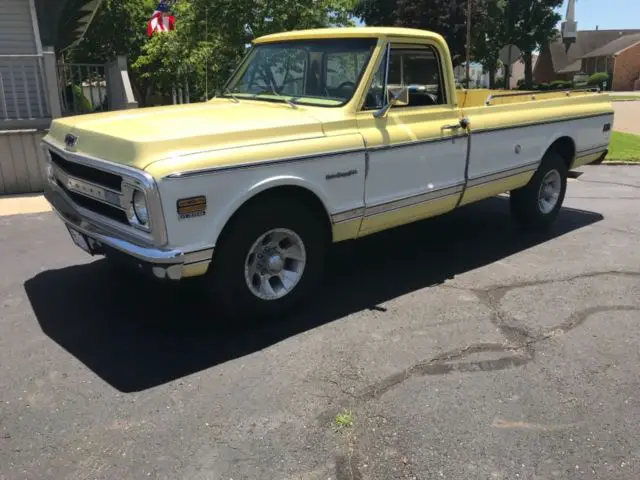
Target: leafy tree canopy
x=209 y=39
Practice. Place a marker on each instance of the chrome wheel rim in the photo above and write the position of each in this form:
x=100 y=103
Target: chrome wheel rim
x=275 y=264
x=549 y=192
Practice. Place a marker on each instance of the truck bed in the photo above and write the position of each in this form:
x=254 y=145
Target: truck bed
x=477 y=97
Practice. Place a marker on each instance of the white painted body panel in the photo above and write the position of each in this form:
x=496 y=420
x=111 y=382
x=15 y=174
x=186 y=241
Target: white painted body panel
x=495 y=151
x=228 y=190
x=587 y=133
x=396 y=173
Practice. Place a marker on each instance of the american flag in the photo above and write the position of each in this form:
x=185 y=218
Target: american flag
x=161 y=20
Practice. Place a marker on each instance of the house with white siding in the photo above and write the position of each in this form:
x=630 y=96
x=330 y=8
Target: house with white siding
x=35 y=87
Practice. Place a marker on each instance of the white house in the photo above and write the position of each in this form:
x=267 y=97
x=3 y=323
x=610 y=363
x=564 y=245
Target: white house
x=479 y=78
x=34 y=87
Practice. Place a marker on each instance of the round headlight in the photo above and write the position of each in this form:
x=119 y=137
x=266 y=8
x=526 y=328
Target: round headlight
x=140 y=207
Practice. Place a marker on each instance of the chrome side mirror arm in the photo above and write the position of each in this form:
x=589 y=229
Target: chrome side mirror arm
x=381 y=113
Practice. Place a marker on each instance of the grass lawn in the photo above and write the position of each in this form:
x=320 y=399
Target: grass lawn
x=624 y=147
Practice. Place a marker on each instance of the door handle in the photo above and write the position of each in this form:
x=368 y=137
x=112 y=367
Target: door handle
x=463 y=123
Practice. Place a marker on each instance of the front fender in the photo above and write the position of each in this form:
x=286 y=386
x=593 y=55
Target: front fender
x=227 y=190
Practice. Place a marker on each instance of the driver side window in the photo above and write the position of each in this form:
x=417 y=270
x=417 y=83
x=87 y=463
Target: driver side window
x=416 y=67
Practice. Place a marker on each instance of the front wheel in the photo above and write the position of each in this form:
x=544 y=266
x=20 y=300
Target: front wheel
x=536 y=205
x=269 y=258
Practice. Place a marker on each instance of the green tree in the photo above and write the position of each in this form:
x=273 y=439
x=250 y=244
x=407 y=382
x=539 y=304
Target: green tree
x=119 y=28
x=377 y=12
x=446 y=17
x=530 y=25
x=209 y=39
x=489 y=34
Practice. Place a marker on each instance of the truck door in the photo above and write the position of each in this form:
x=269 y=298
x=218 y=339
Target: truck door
x=417 y=152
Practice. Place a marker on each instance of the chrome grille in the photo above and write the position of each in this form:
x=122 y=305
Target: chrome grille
x=105 y=191
x=109 y=211
x=89 y=174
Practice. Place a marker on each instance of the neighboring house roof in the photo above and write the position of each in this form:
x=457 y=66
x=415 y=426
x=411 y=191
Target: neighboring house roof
x=572 y=67
x=614 y=47
x=587 y=41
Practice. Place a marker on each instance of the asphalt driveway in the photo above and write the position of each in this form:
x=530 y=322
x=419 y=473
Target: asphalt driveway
x=461 y=349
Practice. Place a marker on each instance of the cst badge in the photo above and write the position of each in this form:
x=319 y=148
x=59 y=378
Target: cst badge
x=192 y=207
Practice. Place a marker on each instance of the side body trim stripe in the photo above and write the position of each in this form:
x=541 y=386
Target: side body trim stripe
x=223 y=168
x=425 y=197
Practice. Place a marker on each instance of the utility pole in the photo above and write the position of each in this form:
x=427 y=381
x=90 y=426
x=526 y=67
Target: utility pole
x=468 y=41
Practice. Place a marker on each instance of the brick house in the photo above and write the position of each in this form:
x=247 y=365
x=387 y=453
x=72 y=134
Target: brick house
x=616 y=52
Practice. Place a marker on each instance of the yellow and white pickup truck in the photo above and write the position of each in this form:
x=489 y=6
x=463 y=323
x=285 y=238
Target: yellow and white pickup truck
x=319 y=136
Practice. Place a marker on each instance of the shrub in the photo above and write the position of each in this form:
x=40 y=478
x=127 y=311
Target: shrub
x=598 y=79
x=560 y=85
x=76 y=101
x=499 y=82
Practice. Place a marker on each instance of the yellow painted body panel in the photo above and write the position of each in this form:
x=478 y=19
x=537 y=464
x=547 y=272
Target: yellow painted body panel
x=480 y=192
x=527 y=111
x=586 y=159
x=195 y=270
x=346 y=230
x=352 y=32
x=140 y=137
x=477 y=97
x=402 y=216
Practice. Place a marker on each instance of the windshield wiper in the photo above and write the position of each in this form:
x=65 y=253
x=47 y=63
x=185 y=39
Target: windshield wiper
x=272 y=91
x=227 y=91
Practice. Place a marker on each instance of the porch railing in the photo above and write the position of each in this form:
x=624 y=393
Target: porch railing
x=82 y=88
x=23 y=94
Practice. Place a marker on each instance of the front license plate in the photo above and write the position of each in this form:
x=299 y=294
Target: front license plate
x=79 y=239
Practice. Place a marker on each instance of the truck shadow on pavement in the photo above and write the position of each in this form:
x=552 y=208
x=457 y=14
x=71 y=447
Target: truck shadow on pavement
x=136 y=334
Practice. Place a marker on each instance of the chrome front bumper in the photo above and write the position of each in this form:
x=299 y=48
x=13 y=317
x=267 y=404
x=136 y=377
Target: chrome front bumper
x=172 y=264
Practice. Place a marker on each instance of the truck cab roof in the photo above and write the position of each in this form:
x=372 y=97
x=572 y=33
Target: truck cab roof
x=349 y=32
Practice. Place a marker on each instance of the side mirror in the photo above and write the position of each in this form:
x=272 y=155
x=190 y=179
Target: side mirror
x=396 y=95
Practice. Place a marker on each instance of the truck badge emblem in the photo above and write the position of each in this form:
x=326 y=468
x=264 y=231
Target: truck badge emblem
x=70 y=140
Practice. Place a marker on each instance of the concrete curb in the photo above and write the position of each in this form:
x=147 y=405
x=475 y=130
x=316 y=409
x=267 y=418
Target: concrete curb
x=614 y=163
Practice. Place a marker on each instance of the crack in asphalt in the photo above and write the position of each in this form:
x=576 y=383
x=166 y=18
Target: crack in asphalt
x=618 y=184
x=518 y=349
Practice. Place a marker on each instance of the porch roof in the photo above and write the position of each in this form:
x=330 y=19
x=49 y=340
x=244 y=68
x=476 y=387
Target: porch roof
x=63 y=23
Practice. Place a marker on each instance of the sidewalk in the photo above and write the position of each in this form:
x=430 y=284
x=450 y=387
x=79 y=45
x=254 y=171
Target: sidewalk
x=626 y=117
x=20 y=204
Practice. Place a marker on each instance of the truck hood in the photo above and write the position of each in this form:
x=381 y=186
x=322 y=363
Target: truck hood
x=140 y=137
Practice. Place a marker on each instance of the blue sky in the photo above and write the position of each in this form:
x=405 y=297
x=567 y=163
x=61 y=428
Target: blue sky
x=607 y=14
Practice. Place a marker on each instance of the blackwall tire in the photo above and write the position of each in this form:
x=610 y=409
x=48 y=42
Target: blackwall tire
x=535 y=206
x=269 y=258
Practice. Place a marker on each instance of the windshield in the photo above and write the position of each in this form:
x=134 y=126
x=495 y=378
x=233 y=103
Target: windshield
x=312 y=72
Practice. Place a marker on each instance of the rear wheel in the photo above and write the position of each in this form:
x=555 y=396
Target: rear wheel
x=269 y=257
x=536 y=205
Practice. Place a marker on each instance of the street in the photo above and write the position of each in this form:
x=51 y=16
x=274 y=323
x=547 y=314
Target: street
x=457 y=347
